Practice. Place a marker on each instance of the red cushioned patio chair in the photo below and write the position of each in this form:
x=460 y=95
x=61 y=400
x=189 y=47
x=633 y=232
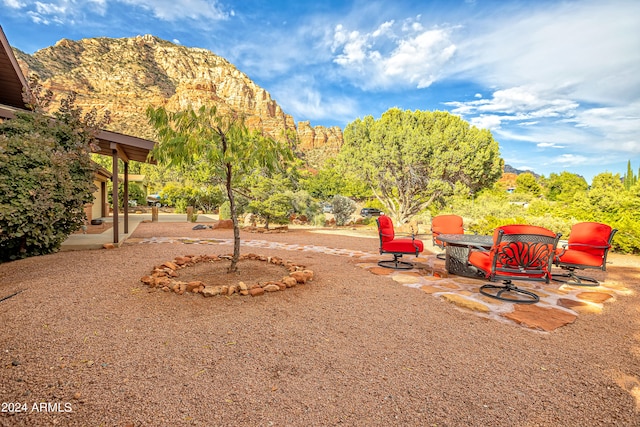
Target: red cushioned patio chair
x=445 y=224
x=519 y=252
x=397 y=247
x=587 y=247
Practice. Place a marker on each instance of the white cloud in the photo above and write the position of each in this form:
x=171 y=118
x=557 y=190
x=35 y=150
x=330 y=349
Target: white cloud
x=300 y=97
x=418 y=59
x=525 y=101
x=549 y=145
x=392 y=55
x=14 y=4
x=586 y=50
x=175 y=10
x=570 y=160
x=65 y=12
x=486 y=121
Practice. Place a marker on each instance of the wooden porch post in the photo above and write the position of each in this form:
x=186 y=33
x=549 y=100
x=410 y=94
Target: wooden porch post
x=126 y=198
x=114 y=194
x=104 y=207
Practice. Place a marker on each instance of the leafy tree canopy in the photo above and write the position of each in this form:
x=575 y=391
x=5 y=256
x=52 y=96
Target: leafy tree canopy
x=526 y=183
x=412 y=159
x=564 y=186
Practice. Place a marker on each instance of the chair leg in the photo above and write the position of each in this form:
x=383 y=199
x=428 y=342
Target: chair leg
x=574 y=279
x=395 y=263
x=509 y=292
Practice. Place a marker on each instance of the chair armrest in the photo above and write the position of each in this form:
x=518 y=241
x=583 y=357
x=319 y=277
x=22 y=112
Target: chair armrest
x=587 y=245
x=406 y=235
x=560 y=252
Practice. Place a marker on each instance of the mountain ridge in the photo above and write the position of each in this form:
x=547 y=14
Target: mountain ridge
x=125 y=75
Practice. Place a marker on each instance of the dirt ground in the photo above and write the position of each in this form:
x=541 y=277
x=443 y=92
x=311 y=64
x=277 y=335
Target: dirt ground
x=85 y=343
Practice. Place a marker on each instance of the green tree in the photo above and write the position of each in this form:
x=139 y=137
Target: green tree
x=413 y=159
x=629 y=179
x=563 y=187
x=606 y=195
x=274 y=209
x=331 y=180
x=526 y=183
x=221 y=144
x=46 y=177
x=268 y=199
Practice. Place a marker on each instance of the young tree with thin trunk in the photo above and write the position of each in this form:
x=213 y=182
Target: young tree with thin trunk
x=219 y=144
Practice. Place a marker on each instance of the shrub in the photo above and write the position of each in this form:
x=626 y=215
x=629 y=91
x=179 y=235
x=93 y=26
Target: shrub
x=46 y=178
x=135 y=193
x=180 y=206
x=319 y=220
x=343 y=208
x=225 y=210
x=275 y=209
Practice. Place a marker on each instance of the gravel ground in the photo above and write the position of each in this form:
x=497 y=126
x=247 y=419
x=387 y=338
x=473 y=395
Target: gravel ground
x=87 y=344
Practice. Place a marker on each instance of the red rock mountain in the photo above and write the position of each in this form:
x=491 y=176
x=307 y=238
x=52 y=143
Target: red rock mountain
x=126 y=75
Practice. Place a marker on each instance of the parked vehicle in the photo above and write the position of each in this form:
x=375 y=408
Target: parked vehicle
x=154 y=200
x=327 y=208
x=368 y=212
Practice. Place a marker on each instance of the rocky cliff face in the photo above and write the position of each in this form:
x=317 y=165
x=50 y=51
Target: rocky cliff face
x=125 y=76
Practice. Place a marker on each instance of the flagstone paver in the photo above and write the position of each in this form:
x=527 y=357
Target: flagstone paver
x=559 y=305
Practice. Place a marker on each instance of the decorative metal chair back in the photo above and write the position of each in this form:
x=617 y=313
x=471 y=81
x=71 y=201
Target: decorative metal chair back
x=523 y=256
x=519 y=252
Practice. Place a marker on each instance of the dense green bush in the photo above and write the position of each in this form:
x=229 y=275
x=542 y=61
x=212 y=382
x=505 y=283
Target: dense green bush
x=180 y=196
x=274 y=209
x=46 y=178
x=135 y=194
x=319 y=220
x=225 y=210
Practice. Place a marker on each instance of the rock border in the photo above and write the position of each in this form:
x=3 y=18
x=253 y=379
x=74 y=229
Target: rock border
x=165 y=277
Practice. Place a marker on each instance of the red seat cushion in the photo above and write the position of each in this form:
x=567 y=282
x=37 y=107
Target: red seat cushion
x=579 y=257
x=481 y=260
x=593 y=235
x=587 y=245
x=522 y=229
x=406 y=246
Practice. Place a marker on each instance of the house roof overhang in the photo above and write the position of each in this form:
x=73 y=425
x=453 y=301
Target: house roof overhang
x=127 y=147
x=12 y=81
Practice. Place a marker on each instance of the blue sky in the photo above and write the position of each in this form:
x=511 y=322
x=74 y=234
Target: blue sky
x=557 y=82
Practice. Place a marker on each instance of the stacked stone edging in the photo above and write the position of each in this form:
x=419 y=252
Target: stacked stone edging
x=165 y=277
